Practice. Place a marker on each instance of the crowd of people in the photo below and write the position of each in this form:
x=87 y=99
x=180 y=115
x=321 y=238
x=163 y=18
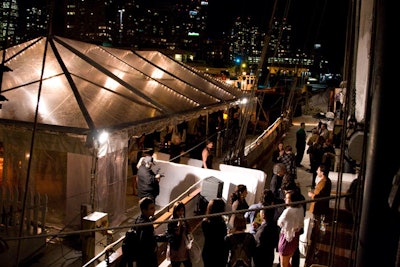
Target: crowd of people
x=194 y=139
x=276 y=221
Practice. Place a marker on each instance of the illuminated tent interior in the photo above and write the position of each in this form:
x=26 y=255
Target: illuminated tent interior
x=59 y=94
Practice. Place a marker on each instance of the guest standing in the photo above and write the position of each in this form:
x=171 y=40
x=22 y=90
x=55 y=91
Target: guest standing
x=322 y=189
x=288 y=158
x=148 y=181
x=279 y=170
x=311 y=140
x=147 y=250
x=239 y=246
x=266 y=237
x=317 y=153
x=324 y=132
x=289 y=185
x=301 y=137
x=328 y=158
x=253 y=217
x=277 y=152
x=214 y=231
x=291 y=223
x=177 y=232
x=176 y=148
x=207 y=156
x=238 y=202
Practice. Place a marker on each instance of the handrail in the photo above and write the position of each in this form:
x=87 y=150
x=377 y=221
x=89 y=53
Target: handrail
x=197 y=217
x=162 y=211
x=262 y=136
x=109 y=247
x=104 y=251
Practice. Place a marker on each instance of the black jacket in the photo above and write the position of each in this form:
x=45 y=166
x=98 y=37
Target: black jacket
x=148 y=185
x=147 y=254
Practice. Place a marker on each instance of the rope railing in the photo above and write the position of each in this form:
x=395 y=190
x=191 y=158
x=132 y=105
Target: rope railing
x=173 y=220
x=109 y=249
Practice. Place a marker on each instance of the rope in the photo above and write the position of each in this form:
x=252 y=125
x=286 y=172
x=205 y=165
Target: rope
x=197 y=217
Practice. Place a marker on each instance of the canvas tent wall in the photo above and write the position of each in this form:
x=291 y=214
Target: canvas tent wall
x=62 y=168
x=70 y=90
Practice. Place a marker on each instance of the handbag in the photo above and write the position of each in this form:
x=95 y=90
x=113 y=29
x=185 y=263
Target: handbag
x=193 y=248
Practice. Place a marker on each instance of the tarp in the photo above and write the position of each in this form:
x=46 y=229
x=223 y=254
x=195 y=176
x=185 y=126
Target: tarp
x=81 y=88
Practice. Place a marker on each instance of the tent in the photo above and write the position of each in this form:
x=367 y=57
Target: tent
x=83 y=87
x=58 y=94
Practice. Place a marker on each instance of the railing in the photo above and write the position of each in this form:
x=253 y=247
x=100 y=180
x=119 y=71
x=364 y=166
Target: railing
x=33 y=223
x=113 y=255
x=257 y=149
x=113 y=259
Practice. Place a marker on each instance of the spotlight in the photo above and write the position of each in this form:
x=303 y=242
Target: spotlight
x=103 y=137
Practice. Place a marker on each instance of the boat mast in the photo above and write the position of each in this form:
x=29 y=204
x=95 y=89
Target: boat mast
x=247 y=112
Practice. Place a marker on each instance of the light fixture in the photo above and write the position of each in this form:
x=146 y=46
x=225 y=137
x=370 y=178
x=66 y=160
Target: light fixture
x=225 y=115
x=103 y=137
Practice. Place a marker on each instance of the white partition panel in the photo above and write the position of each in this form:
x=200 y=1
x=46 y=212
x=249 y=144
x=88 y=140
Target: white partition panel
x=179 y=177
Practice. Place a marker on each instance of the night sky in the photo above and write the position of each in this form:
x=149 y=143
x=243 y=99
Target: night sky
x=313 y=21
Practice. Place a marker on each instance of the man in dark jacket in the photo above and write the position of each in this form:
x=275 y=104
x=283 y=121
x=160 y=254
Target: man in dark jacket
x=147 y=252
x=279 y=170
x=148 y=181
x=301 y=137
x=267 y=237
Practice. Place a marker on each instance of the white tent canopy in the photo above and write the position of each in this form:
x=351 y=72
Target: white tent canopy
x=68 y=90
x=83 y=87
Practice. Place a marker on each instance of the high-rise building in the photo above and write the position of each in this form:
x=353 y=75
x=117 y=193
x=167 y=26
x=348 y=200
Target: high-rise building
x=170 y=25
x=246 y=41
x=8 y=23
x=34 y=20
x=91 y=21
x=280 y=48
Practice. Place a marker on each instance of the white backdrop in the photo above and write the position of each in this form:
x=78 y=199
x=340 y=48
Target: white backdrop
x=179 y=177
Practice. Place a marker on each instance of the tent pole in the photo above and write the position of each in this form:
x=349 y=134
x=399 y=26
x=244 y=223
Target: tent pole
x=93 y=179
x=2 y=68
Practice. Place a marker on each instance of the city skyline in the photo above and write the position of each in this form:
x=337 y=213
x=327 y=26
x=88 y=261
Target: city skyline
x=313 y=21
x=321 y=22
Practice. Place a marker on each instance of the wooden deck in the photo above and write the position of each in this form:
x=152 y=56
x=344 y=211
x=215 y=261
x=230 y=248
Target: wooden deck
x=330 y=249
